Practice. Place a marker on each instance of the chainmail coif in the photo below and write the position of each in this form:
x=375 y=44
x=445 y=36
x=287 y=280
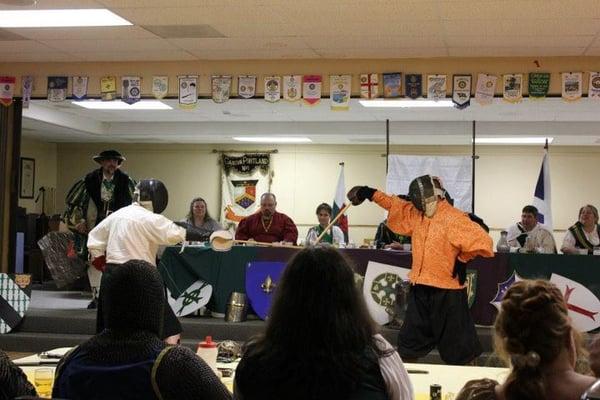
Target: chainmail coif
x=13 y=382
x=132 y=301
x=133 y=298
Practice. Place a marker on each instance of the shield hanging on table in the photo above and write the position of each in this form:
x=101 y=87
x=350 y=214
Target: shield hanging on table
x=15 y=296
x=62 y=260
x=262 y=278
x=379 y=289
x=192 y=299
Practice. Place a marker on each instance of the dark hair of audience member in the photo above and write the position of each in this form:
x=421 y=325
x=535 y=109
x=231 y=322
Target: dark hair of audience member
x=319 y=330
x=532 y=329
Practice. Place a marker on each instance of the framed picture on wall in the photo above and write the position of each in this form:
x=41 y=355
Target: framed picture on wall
x=27 y=178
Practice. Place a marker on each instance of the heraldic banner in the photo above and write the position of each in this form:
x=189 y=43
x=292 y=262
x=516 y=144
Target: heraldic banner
x=244 y=177
x=454 y=171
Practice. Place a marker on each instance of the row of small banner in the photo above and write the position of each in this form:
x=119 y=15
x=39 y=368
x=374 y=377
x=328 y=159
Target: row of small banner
x=307 y=88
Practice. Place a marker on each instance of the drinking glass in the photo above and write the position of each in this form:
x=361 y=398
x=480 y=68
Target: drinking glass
x=43 y=378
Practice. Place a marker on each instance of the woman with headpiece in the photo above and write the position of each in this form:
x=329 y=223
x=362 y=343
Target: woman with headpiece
x=533 y=333
x=199 y=218
x=584 y=235
x=320 y=341
x=334 y=235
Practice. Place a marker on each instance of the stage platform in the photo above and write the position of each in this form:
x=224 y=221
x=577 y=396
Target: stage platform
x=60 y=319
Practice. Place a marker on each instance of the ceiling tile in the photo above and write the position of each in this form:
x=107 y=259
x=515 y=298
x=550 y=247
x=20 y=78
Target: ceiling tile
x=253 y=54
x=519 y=41
x=22 y=46
x=163 y=55
x=57 y=4
x=519 y=9
x=383 y=53
x=515 y=51
x=371 y=41
x=240 y=43
x=106 y=45
x=40 y=57
x=240 y=14
x=108 y=32
x=530 y=27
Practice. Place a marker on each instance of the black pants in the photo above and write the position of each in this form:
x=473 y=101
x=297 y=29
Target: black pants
x=439 y=317
x=171 y=325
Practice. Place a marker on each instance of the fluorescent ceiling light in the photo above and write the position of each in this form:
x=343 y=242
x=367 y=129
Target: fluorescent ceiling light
x=120 y=105
x=272 y=139
x=406 y=103
x=513 y=140
x=59 y=18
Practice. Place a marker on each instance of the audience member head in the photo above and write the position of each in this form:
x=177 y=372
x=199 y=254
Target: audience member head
x=268 y=204
x=133 y=298
x=324 y=212
x=588 y=215
x=319 y=330
x=529 y=217
x=532 y=330
x=198 y=209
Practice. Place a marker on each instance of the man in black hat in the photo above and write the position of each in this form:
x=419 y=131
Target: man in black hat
x=92 y=198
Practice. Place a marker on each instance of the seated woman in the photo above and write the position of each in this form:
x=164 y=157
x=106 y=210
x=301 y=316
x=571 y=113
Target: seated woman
x=335 y=234
x=584 y=235
x=533 y=330
x=128 y=360
x=199 y=218
x=320 y=342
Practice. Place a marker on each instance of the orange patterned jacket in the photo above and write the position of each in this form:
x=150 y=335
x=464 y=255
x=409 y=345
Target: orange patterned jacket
x=436 y=242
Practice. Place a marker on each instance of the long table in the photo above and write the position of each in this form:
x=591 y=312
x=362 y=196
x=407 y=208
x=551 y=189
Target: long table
x=226 y=271
x=451 y=378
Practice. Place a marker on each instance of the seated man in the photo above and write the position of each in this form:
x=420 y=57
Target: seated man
x=13 y=381
x=528 y=236
x=267 y=225
x=385 y=238
x=128 y=360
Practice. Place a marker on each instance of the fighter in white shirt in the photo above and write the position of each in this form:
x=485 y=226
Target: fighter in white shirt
x=134 y=233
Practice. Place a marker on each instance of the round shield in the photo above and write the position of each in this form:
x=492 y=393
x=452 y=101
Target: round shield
x=15 y=295
x=192 y=299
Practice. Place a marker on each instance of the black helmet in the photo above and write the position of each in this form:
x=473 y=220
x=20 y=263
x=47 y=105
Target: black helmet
x=155 y=191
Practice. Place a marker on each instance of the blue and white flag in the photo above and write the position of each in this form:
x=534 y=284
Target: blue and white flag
x=541 y=197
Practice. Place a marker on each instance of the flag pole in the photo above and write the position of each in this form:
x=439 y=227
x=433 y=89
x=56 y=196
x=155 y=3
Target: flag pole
x=474 y=157
x=387 y=144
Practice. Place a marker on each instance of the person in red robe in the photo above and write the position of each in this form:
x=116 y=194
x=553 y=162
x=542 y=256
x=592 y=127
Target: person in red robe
x=267 y=225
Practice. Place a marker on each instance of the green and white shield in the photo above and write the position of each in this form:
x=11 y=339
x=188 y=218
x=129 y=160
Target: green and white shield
x=15 y=296
x=192 y=299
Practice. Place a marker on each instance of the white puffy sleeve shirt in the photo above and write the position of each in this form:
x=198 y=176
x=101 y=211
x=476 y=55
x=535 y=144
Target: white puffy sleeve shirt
x=133 y=233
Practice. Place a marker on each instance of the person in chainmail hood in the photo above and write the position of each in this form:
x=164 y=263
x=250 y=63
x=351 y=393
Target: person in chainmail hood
x=128 y=360
x=442 y=236
x=13 y=382
x=134 y=233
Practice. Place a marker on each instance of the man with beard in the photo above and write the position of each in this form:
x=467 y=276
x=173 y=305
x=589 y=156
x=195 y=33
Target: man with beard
x=91 y=199
x=267 y=225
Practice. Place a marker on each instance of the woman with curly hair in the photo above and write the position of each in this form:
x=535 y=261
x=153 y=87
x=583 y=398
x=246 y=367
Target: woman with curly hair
x=320 y=341
x=533 y=333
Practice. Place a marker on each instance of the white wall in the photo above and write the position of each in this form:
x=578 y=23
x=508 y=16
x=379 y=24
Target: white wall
x=45 y=173
x=306 y=175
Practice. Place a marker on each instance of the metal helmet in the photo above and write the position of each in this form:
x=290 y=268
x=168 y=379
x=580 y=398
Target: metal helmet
x=424 y=193
x=152 y=192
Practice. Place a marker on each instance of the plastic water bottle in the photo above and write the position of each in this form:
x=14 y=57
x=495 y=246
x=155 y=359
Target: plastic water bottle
x=207 y=350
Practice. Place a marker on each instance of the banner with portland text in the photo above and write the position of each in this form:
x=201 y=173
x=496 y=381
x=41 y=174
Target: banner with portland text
x=244 y=178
